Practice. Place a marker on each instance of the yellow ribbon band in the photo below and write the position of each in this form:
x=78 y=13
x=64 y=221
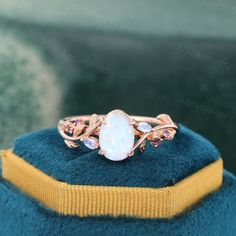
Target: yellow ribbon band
x=87 y=200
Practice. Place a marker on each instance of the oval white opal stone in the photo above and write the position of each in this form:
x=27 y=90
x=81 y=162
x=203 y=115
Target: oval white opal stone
x=116 y=136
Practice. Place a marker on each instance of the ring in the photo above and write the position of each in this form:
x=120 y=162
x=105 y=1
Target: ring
x=117 y=134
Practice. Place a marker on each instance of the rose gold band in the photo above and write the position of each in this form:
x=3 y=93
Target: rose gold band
x=86 y=118
x=86 y=128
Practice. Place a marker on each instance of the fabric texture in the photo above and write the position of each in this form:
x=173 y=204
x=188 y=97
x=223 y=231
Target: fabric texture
x=89 y=200
x=21 y=216
x=155 y=167
x=166 y=165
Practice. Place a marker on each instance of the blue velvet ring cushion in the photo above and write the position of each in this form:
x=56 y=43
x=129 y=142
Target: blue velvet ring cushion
x=155 y=167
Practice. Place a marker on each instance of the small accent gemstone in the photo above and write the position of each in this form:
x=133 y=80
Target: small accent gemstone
x=69 y=130
x=76 y=122
x=166 y=133
x=156 y=143
x=144 y=127
x=91 y=143
x=156 y=135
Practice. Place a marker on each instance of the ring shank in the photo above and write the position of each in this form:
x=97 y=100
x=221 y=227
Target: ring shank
x=157 y=124
x=86 y=118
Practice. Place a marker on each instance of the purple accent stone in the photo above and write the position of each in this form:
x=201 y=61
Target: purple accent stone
x=166 y=133
x=69 y=130
x=76 y=122
x=156 y=143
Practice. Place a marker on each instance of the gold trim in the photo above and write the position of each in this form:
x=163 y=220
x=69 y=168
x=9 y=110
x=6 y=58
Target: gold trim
x=87 y=200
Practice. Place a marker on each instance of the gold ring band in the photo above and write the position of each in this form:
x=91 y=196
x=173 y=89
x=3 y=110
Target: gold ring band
x=115 y=133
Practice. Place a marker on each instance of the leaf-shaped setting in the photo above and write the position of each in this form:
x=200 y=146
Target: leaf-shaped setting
x=156 y=143
x=92 y=128
x=164 y=119
x=168 y=134
x=96 y=131
x=73 y=127
x=93 y=119
x=78 y=130
x=155 y=135
x=142 y=146
x=68 y=129
x=77 y=122
x=71 y=144
x=140 y=141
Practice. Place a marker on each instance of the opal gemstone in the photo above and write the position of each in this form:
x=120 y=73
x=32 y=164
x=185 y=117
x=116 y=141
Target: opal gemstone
x=116 y=136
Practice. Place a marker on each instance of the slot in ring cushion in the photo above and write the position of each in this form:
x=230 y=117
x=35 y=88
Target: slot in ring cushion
x=154 y=169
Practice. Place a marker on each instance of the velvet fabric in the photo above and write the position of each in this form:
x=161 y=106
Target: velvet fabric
x=166 y=165
x=155 y=167
x=21 y=216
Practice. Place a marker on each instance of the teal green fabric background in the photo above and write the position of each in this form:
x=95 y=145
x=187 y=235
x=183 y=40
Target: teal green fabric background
x=21 y=216
x=64 y=57
x=166 y=165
